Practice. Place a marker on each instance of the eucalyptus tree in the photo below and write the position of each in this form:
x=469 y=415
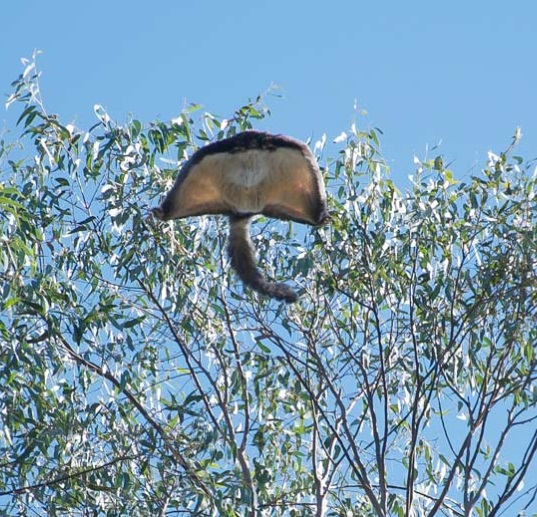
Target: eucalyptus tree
x=139 y=377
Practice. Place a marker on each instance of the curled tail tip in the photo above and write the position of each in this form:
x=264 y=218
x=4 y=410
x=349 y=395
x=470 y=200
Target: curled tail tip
x=280 y=291
x=276 y=290
x=242 y=255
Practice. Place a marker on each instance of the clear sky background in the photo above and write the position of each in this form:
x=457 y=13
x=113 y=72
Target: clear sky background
x=463 y=73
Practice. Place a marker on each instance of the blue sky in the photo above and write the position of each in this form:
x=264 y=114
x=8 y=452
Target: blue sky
x=463 y=73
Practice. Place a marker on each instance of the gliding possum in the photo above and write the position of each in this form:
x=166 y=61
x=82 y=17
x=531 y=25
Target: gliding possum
x=247 y=174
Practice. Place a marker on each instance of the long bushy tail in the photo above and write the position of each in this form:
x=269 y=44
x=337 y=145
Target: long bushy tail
x=242 y=255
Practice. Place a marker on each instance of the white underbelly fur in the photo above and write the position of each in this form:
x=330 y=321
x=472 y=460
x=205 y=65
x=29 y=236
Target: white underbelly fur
x=247 y=169
x=244 y=174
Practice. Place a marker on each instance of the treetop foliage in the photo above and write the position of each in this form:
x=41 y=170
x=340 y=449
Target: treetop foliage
x=138 y=376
